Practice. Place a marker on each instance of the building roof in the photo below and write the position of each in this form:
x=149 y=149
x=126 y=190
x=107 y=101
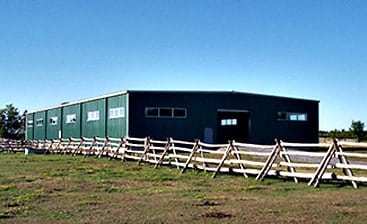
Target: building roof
x=159 y=92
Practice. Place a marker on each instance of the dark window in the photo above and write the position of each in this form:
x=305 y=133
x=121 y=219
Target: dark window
x=282 y=115
x=39 y=122
x=290 y=116
x=179 y=112
x=151 y=112
x=165 y=112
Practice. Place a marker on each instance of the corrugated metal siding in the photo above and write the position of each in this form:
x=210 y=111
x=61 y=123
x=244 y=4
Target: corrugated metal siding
x=94 y=127
x=40 y=130
x=202 y=109
x=53 y=126
x=71 y=129
x=30 y=117
x=116 y=126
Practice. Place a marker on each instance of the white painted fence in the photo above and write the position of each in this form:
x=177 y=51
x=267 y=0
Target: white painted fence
x=336 y=162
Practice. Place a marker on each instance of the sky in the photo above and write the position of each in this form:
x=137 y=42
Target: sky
x=60 y=51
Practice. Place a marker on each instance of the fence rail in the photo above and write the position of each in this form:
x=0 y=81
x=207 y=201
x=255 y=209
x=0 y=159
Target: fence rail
x=337 y=161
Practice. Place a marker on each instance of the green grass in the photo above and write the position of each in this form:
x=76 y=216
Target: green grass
x=66 y=189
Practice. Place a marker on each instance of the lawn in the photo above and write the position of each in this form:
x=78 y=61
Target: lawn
x=65 y=189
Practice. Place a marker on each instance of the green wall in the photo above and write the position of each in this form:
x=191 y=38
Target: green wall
x=54 y=121
x=71 y=129
x=116 y=126
x=40 y=130
x=30 y=117
x=92 y=128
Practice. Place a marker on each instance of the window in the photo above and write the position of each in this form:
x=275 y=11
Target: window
x=70 y=118
x=116 y=112
x=165 y=112
x=93 y=116
x=39 y=122
x=30 y=123
x=228 y=122
x=151 y=112
x=291 y=116
x=53 y=121
x=179 y=112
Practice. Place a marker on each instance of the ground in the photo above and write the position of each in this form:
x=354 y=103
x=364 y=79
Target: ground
x=66 y=189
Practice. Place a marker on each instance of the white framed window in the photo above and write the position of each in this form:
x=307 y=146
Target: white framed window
x=30 y=123
x=151 y=112
x=117 y=112
x=179 y=112
x=292 y=116
x=228 y=122
x=39 y=122
x=93 y=116
x=165 y=112
x=70 y=118
x=53 y=120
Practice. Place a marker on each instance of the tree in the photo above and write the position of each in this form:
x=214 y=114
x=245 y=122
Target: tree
x=357 y=130
x=12 y=124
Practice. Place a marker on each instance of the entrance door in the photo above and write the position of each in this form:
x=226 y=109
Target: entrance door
x=232 y=125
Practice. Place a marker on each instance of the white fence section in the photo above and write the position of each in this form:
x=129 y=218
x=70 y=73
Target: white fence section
x=339 y=162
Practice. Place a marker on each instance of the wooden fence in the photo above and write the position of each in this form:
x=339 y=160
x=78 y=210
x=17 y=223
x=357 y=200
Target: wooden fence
x=337 y=162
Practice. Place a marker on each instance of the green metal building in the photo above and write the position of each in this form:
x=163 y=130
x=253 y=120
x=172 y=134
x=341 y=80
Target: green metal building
x=213 y=117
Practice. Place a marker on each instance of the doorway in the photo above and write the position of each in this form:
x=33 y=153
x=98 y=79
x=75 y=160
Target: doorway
x=232 y=125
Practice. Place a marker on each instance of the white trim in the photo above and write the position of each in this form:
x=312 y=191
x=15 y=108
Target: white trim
x=54 y=120
x=38 y=121
x=116 y=112
x=172 y=109
x=127 y=114
x=93 y=115
x=232 y=110
x=26 y=127
x=168 y=92
x=70 y=118
x=79 y=101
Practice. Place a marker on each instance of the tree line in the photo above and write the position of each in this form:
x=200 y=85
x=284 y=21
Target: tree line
x=356 y=131
x=12 y=123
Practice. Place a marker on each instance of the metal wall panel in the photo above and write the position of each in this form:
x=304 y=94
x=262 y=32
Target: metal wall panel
x=30 y=128
x=71 y=127
x=116 y=116
x=94 y=127
x=40 y=129
x=53 y=123
x=202 y=114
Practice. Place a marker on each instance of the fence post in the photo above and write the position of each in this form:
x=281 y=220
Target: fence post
x=315 y=180
x=115 y=154
x=287 y=158
x=166 y=149
x=193 y=151
x=225 y=155
x=91 y=147
x=57 y=149
x=105 y=143
x=269 y=161
x=344 y=160
x=78 y=147
x=67 y=146
x=238 y=157
x=146 y=149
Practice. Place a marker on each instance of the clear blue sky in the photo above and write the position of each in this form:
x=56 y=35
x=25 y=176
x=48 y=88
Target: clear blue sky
x=57 y=51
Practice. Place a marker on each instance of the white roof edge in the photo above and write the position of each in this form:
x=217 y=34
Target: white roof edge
x=80 y=101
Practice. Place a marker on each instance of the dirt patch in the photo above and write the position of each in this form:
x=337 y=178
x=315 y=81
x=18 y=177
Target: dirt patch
x=218 y=215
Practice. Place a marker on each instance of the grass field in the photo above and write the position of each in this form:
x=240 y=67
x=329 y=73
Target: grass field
x=66 y=189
